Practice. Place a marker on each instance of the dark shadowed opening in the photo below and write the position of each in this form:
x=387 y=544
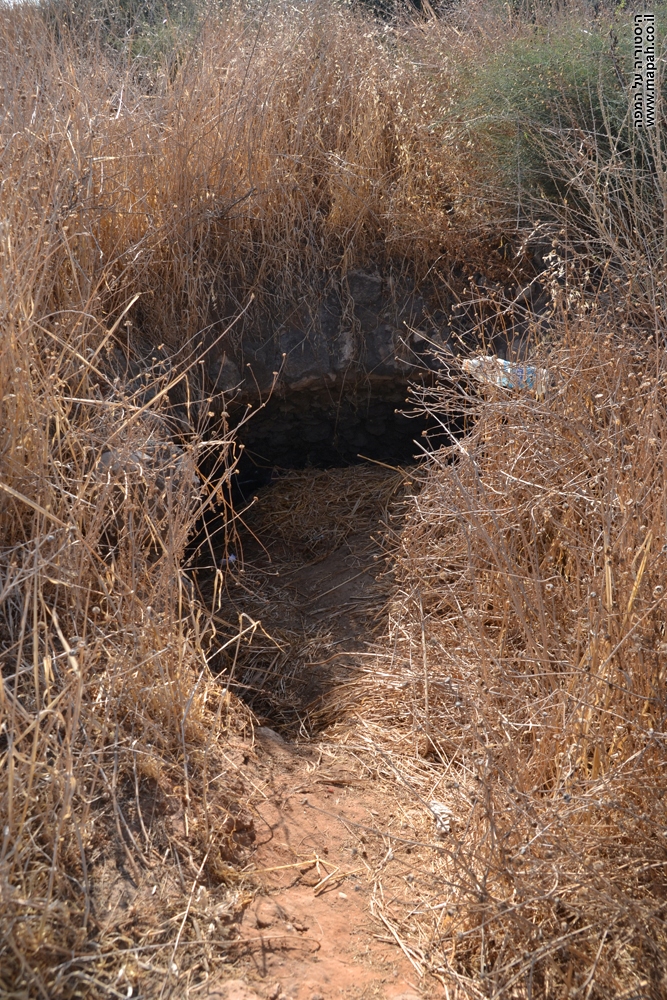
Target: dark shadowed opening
x=301 y=557
x=327 y=426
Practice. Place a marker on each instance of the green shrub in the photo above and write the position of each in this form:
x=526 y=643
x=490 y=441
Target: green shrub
x=566 y=79
x=154 y=28
x=535 y=84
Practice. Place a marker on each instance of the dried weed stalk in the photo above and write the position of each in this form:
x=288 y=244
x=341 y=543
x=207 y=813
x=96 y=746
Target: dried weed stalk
x=117 y=799
x=530 y=658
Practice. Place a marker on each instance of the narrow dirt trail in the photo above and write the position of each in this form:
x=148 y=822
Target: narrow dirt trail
x=335 y=841
x=309 y=572
x=321 y=862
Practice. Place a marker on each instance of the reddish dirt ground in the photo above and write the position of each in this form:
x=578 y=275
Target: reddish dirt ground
x=327 y=856
x=310 y=932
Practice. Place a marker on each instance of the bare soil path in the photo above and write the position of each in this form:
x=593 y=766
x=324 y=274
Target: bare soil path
x=326 y=859
x=320 y=862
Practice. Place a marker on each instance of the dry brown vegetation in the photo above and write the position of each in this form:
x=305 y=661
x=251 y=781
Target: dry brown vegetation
x=143 y=200
x=272 y=150
x=529 y=626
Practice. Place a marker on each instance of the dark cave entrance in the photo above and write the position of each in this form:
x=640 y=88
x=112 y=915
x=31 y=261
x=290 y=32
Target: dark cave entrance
x=311 y=573
x=323 y=426
x=329 y=426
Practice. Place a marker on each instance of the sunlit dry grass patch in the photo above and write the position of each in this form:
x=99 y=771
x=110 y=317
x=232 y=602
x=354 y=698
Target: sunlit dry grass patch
x=530 y=658
x=150 y=208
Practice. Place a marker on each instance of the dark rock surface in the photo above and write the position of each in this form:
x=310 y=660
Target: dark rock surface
x=326 y=378
x=361 y=330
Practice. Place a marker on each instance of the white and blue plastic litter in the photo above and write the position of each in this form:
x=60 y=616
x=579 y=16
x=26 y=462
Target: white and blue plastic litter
x=507 y=374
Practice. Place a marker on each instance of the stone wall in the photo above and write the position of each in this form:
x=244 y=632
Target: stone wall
x=361 y=331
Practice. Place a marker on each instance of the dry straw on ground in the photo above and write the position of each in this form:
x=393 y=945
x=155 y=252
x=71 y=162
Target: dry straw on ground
x=315 y=511
x=309 y=535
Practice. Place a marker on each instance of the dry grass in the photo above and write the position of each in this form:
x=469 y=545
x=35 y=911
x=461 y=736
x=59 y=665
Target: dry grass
x=115 y=796
x=530 y=659
x=313 y=512
x=144 y=204
x=112 y=730
x=286 y=148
